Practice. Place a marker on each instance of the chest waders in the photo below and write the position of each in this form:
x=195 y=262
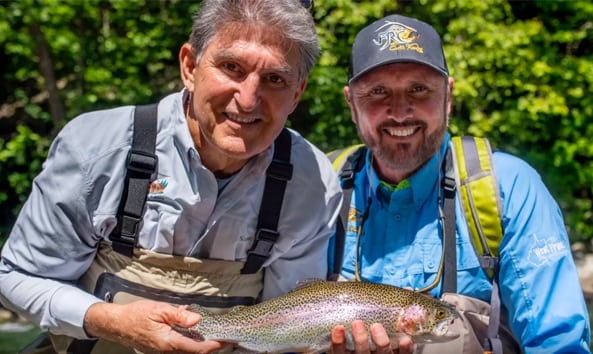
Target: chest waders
x=469 y=173
x=122 y=273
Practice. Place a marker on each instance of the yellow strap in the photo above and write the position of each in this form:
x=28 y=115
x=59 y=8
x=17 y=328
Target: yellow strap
x=338 y=157
x=479 y=192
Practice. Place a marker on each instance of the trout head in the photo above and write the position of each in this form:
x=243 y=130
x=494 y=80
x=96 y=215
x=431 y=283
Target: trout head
x=427 y=321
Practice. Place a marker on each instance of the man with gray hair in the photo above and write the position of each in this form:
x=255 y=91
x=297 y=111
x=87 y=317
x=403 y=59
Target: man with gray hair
x=222 y=205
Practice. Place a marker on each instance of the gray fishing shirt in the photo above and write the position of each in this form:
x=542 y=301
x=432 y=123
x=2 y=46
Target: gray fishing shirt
x=73 y=204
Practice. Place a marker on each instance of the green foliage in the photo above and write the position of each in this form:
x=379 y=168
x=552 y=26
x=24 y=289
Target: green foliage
x=523 y=77
x=20 y=161
x=328 y=123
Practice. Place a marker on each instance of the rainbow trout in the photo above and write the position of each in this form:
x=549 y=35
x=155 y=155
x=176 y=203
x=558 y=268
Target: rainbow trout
x=302 y=320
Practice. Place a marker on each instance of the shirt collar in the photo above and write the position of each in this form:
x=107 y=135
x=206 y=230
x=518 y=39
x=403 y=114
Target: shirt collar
x=422 y=182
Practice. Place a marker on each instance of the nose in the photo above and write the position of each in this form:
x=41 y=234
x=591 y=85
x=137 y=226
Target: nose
x=401 y=107
x=248 y=93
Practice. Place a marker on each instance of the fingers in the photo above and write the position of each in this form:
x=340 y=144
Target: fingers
x=338 y=338
x=184 y=317
x=406 y=345
x=362 y=345
x=360 y=337
x=381 y=339
x=146 y=325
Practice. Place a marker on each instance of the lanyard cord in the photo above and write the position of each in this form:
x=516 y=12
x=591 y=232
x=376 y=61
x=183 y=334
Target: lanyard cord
x=365 y=216
x=363 y=220
x=359 y=232
x=439 y=275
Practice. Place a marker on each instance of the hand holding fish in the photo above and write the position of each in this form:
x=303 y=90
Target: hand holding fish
x=312 y=319
x=360 y=339
x=146 y=326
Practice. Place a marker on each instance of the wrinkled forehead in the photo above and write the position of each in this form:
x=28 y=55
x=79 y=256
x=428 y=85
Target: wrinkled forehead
x=242 y=31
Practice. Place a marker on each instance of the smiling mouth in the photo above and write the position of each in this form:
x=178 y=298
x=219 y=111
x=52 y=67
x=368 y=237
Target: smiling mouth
x=241 y=120
x=401 y=132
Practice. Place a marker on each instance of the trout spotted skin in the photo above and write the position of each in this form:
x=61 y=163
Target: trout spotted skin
x=302 y=320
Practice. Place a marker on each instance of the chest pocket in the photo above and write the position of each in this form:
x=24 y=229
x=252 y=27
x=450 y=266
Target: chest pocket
x=432 y=253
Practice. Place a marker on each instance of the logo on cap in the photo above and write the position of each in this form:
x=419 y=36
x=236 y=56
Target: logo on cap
x=397 y=36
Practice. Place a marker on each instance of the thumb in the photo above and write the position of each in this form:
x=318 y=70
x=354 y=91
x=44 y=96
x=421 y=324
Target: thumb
x=186 y=318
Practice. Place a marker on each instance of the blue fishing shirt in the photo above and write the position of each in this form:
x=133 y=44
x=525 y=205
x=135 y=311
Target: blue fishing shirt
x=401 y=245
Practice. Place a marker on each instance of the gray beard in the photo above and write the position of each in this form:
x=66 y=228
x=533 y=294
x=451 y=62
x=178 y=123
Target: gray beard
x=403 y=157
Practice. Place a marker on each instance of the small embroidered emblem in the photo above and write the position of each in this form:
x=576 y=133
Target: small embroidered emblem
x=158 y=186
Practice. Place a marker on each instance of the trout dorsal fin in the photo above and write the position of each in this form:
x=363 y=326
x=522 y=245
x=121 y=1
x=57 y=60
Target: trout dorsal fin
x=236 y=309
x=198 y=309
x=303 y=283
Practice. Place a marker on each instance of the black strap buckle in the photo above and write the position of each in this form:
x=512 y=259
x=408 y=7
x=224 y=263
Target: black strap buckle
x=129 y=227
x=449 y=186
x=142 y=162
x=264 y=241
x=488 y=262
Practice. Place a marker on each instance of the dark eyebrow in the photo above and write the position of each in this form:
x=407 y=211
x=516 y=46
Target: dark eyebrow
x=225 y=55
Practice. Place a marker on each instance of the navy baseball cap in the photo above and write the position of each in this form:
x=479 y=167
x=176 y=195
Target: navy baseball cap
x=393 y=39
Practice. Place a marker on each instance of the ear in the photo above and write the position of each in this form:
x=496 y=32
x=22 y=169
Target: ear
x=450 y=95
x=298 y=93
x=187 y=66
x=349 y=101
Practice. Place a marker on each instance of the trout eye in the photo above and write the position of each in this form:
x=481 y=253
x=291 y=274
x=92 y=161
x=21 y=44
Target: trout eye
x=440 y=314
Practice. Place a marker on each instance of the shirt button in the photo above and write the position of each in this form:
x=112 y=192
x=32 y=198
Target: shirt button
x=397 y=217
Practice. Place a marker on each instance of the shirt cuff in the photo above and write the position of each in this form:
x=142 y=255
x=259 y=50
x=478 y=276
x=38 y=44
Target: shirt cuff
x=69 y=305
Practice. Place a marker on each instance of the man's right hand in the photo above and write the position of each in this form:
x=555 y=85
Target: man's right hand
x=361 y=340
x=146 y=326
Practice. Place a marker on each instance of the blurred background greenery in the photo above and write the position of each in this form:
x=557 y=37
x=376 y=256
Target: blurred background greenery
x=523 y=71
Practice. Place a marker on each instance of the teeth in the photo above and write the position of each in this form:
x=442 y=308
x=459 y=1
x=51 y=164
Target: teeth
x=401 y=132
x=240 y=119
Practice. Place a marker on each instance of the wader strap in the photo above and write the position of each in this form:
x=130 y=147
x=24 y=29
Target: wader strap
x=492 y=342
x=277 y=175
x=480 y=200
x=352 y=164
x=142 y=163
x=449 y=228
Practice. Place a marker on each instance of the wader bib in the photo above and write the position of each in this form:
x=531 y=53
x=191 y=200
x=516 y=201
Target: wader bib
x=472 y=328
x=115 y=278
x=122 y=273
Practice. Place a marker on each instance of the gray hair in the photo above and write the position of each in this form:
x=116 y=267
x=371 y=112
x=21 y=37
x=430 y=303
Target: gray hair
x=288 y=18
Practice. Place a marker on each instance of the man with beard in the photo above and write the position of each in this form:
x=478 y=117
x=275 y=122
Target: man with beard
x=399 y=93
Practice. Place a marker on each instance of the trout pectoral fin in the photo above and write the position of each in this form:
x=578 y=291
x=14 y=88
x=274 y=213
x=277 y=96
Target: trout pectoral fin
x=188 y=332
